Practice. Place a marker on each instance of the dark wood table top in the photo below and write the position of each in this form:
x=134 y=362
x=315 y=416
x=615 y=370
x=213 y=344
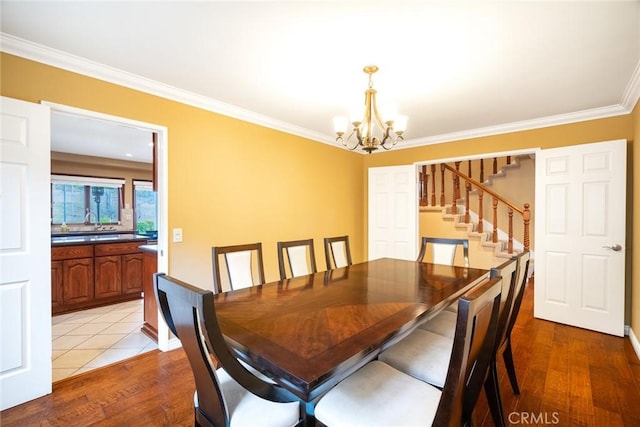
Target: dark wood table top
x=310 y=332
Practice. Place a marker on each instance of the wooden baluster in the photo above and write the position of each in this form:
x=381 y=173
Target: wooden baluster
x=495 y=220
x=481 y=170
x=495 y=165
x=467 y=218
x=480 y=210
x=433 y=185
x=508 y=160
x=442 y=198
x=526 y=216
x=457 y=181
x=469 y=173
x=423 y=186
x=510 y=245
x=454 y=203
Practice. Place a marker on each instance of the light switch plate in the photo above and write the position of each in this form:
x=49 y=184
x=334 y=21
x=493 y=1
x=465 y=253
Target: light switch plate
x=177 y=235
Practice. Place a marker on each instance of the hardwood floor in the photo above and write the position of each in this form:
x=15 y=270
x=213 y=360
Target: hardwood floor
x=568 y=376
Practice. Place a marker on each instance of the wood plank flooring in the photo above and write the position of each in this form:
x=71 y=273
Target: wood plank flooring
x=568 y=377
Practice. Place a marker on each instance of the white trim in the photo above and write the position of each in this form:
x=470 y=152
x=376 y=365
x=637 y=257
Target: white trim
x=634 y=342
x=165 y=341
x=36 y=52
x=86 y=180
x=142 y=184
x=632 y=92
x=513 y=153
x=543 y=122
x=76 y=64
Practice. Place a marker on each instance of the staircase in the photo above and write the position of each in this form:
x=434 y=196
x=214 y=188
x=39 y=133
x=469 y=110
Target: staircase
x=513 y=179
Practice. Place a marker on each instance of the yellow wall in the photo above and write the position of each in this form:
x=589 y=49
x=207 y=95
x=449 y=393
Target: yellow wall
x=635 y=254
x=229 y=181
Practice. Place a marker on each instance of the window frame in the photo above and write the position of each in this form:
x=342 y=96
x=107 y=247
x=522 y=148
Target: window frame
x=87 y=182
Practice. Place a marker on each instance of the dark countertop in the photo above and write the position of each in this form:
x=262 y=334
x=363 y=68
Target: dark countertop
x=94 y=239
x=89 y=233
x=149 y=248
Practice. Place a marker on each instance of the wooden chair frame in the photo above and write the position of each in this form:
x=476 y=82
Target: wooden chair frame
x=446 y=241
x=191 y=316
x=329 y=254
x=216 y=251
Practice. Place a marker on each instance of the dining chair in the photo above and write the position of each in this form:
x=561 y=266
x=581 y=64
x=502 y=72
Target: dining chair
x=524 y=259
x=337 y=252
x=230 y=394
x=241 y=262
x=443 y=250
x=301 y=258
x=378 y=394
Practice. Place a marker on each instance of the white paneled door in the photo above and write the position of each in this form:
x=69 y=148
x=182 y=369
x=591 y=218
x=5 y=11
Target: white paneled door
x=580 y=236
x=25 y=252
x=393 y=212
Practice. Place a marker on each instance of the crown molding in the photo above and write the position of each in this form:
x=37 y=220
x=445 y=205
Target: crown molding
x=56 y=58
x=632 y=92
x=560 y=119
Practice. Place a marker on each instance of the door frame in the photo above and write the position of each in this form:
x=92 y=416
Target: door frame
x=165 y=340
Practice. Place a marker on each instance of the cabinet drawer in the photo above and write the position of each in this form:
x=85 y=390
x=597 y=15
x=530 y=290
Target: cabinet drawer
x=71 y=252
x=118 y=248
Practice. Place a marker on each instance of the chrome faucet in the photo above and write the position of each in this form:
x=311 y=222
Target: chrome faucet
x=87 y=219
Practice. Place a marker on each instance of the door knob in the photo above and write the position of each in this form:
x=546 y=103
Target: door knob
x=616 y=248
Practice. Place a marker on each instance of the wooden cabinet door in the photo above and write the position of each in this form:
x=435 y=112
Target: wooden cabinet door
x=131 y=273
x=56 y=286
x=108 y=279
x=77 y=277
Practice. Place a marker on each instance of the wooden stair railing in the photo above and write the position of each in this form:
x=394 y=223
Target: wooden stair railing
x=470 y=183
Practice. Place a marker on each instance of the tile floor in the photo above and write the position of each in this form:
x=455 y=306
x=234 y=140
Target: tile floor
x=92 y=338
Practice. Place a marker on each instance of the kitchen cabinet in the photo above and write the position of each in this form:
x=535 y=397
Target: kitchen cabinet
x=91 y=275
x=71 y=276
x=108 y=280
x=149 y=267
x=132 y=273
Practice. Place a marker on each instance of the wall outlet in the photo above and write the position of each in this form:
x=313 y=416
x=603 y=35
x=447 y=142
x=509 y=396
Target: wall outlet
x=177 y=235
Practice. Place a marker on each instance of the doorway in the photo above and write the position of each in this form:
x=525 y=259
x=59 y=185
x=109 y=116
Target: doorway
x=118 y=338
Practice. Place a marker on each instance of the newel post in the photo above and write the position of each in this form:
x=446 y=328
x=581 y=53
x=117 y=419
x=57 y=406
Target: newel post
x=526 y=217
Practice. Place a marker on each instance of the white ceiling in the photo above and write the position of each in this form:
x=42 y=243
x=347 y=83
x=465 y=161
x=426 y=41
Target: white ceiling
x=457 y=69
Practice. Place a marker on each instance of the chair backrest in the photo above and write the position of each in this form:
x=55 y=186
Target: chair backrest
x=444 y=250
x=191 y=315
x=300 y=255
x=241 y=263
x=473 y=343
x=337 y=252
x=508 y=270
x=521 y=280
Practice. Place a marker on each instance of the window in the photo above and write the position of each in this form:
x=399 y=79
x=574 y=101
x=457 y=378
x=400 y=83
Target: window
x=85 y=200
x=145 y=208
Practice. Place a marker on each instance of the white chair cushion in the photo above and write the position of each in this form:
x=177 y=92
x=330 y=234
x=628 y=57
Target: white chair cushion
x=247 y=409
x=239 y=266
x=378 y=395
x=339 y=257
x=443 y=253
x=298 y=260
x=443 y=324
x=423 y=354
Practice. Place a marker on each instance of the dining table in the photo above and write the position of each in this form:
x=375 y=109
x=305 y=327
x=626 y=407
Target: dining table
x=310 y=332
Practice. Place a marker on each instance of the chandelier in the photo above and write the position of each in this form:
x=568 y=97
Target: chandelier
x=371 y=131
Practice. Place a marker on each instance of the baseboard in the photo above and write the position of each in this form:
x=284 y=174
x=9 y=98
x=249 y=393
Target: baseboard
x=634 y=342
